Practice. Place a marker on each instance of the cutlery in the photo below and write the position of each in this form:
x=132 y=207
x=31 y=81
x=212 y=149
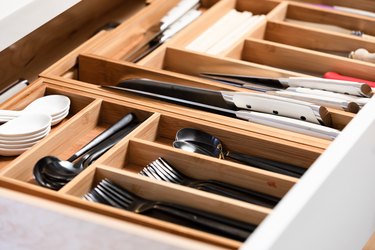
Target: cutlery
x=191 y=139
x=363 y=55
x=173 y=29
x=234 y=100
x=160 y=169
x=155 y=36
x=285 y=123
x=57 y=106
x=52 y=168
x=21 y=133
x=112 y=194
x=339 y=86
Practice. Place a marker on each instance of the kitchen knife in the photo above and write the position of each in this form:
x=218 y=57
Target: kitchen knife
x=235 y=100
x=339 y=86
x=327 y=101
x=155 y=32
x=285 y=123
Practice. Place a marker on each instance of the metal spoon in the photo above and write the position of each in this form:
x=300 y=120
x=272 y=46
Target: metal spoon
x=194 y=140
x=50 y=167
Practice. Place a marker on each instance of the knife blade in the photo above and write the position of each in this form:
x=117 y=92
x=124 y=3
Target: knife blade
x=285 y=123
x=339 y=86
x=235 y=100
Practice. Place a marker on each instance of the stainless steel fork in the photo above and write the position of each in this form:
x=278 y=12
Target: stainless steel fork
x=160 y=169
x=111 y=194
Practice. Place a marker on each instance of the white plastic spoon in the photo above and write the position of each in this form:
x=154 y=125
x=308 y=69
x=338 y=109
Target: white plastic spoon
x=25 y=125
x=53 y=105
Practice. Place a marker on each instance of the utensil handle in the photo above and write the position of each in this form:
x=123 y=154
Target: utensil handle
x=215 y=222
x=238 y=193
x=103 y=147
x=123 y=122
x=266 y=164
x=336 y=76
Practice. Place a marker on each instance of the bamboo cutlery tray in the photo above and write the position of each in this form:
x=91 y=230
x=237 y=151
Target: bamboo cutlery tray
x=274 y=48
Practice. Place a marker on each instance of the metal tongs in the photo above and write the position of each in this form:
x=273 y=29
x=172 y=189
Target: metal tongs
x=175 y=20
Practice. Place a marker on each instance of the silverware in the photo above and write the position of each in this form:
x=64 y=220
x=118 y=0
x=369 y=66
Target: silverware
x=194 y=140
x=160 y=169
x=111 y=194
x=176 y=19
x=276 y=121
x=53 y=173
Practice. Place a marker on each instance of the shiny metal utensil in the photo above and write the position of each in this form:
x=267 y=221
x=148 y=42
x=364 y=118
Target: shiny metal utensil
x=116 y=196
x=51 y=168
x=160 y=169
x=186 y=138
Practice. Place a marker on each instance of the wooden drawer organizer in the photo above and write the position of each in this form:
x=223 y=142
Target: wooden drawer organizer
x=90 y=115
x=262 y=52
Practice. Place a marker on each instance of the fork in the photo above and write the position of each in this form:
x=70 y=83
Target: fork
x=160 y=169
x=111 y=194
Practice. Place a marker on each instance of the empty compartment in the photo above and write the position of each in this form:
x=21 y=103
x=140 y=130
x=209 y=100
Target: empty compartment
x=70 y=138
x=38 y=90
x=332 y=21
x=156 y=191
x=318 y=40
x=367 y=5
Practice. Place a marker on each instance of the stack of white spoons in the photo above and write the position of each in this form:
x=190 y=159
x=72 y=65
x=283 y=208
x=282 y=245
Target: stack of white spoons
x=57 y=106
x=23 y=129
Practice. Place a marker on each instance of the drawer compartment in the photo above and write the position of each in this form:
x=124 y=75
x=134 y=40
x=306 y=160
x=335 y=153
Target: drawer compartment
x=67 y=138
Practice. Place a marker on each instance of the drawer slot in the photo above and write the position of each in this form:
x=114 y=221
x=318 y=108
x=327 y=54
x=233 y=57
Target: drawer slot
x=155 y=190
x=69 y=137
x=320 y=41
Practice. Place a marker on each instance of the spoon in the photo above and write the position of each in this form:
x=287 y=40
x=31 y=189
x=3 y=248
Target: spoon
x=52 y=166
x=25 y=126
x=198 y=141
x=54 y=105
x=53 y=173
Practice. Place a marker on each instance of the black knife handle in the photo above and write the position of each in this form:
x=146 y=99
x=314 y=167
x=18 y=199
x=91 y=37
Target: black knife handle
x=200 y=95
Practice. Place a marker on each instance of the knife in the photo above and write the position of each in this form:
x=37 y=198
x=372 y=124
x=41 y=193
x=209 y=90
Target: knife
x=155 y=32
x=285 y=123
x=235 y=100
x=339 y=86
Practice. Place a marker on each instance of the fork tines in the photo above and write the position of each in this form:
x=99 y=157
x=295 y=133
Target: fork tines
x=160 y=169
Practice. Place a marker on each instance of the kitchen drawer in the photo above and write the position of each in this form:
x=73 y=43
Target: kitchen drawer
x=261 y=52
x=91 y=114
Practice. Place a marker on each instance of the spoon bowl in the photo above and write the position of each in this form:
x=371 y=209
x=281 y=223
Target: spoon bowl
x=25 y=125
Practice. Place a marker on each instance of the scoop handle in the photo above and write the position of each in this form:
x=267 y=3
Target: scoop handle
x=123 y=122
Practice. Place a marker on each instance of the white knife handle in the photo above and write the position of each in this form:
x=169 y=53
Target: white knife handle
x=278 y=106
x=321 y=100
x=363 y=55
x=180 y=24
x=339 y=86
x=177 y=12
x=289 y=124
x=361 y=101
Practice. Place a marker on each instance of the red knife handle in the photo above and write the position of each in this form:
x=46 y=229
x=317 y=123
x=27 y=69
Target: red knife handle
x=336 y=76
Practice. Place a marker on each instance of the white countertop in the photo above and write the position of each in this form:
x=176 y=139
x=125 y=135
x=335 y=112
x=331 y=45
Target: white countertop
x=20 y=17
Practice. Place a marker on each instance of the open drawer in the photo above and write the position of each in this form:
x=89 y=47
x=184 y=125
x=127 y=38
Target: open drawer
x=152 y=139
